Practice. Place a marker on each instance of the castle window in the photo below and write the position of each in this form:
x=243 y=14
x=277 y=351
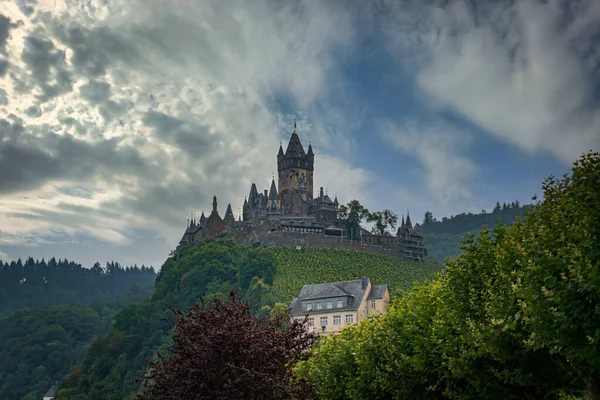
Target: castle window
x=372 y=303
x=337 y=319
x=330 y=304
x=349 y=318
x=339 y=304
x=311 y=321
x=323 y=321
x=319 y=305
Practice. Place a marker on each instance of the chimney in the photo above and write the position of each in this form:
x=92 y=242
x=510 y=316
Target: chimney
x=321 y=192
x=266 y=193
x=365 y=282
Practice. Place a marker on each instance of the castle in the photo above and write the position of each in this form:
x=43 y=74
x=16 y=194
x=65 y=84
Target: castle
x=291 y=216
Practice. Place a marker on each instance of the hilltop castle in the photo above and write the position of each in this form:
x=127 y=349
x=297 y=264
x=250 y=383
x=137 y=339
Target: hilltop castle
x=291 y=216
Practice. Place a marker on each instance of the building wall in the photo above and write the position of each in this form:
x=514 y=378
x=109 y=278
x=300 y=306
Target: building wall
x=331 y=328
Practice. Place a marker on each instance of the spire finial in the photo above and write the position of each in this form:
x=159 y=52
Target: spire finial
x=294 y=125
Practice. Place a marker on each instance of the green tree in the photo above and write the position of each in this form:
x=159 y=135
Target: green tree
x=383 y=220
x=352 y=214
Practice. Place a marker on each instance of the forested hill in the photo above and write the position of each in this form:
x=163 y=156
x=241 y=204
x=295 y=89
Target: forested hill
x=38 y=347
x=267 y=278
x=36 y=283
x=443 y=237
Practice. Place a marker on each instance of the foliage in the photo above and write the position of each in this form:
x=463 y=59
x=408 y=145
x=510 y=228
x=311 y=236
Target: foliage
x=443 y=238
x=352 y=215
x=516 y=315
x=383 y=220
x=210 y=269
x=222 y=351
x=38 y=347
x=36 y=283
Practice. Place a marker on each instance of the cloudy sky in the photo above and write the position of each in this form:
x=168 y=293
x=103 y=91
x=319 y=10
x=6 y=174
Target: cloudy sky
x=119 y=116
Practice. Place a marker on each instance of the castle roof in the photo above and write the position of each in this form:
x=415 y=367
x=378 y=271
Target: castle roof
x=310 y=150
x=273 y=191
x=408 y=223
x=294 y=148
x=280 y=153
x=229 y=212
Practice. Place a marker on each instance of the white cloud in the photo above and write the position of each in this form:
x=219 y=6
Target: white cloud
x=184 y=88
x=439 y=148
x=525 y=72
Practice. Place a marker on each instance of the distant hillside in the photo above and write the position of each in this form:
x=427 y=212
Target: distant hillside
x=268 y=278
x=38 y=347
x=36 y=283
x=443 y=237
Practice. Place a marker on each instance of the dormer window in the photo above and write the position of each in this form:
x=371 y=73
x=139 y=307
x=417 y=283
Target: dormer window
x=309 y=307
x=339 y=304
x=330 y=304
x=319 y=305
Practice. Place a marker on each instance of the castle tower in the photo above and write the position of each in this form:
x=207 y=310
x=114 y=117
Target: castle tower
x=295 y=169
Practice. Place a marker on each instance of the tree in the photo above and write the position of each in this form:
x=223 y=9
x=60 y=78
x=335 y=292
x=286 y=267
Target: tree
x=514 y=316
x=352 y=214
x=222 y=351
x=428 y=218
x=383 y=220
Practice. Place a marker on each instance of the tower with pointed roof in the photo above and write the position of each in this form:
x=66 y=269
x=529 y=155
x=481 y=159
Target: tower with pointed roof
x=295 y=169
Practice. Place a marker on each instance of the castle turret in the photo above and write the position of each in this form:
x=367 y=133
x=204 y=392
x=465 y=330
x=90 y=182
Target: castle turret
x=295 y=169
x=408 y=223
x=215 y=205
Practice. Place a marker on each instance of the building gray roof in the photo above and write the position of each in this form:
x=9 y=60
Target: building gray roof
x=352 y=291
x=377 y=292
x=52 y=390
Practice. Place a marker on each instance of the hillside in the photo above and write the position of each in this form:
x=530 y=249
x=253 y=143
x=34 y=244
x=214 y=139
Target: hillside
x=264 y=277
x=37 y=283
x=309 y=265
x=443 y=237
x=38 y=347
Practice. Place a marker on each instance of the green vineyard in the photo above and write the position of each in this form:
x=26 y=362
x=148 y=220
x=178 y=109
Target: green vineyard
x=309 y=265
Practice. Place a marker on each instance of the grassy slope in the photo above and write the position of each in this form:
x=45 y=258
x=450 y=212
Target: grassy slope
x=310 y=265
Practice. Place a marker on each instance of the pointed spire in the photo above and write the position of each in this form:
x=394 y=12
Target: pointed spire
x=280 y=154
x=229 y=213
x=215 y=204
x=335 y=201
x=273 y=191
x=310 y=150
x=202 y=217
x=402 y=226
x=408 y=223
x=294 y=148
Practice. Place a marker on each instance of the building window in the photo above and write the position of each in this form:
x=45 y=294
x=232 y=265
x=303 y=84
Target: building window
x=311 y=321
x=372 y=303
x=330 y=304
x=349 y=318
x=339 y=304
x=309 y=307
x=319 y=305
x=337 y=319
x=323 y=321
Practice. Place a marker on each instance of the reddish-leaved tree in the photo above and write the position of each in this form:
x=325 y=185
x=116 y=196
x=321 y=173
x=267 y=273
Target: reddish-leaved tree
x=222 y=351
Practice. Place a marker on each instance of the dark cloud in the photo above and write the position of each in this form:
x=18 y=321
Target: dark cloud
x=194 y=139
x=28 y=160
x=34 y=111
x=95 y=92
x=46 y=64
x=3 y=67
x=5 y=26
x=26 y=6
x=3 y=97
x=93 y=49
